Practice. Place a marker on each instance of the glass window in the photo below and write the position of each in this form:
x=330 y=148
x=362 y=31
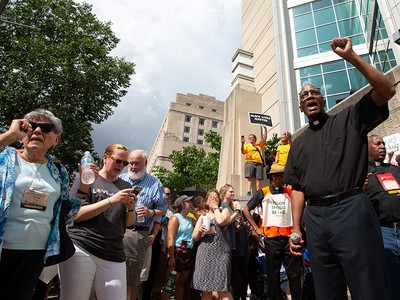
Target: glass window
x=310 y=71
x=200 y=132
x=357 y=81
x=334 y=66
x=350 y=27
x=185 y=139
x=200 y=142
x=315 y=80
x=336 y=82
x=201 y=107
x=325 y=47
x=305 y=38
x=321 y=4
x=202 y=121
x=214 y=110
x=327 y=32
x=301 y=9
x=188 y=118
x=346 y=10
x=214 y=124
x=186 y=129
x=303 y=22
x=307 y=51
x=188 y=104
x=324 y=16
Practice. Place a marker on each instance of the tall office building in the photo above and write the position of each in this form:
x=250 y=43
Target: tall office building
x=188 y=118
x=286 y=44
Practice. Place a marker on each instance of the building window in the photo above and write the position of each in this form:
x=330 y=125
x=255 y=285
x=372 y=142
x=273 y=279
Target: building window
x=200 y=142
x=214 y=110
x=185 y=139
x=202 y=121
x=187 y=129
x=201 y=132
x=214 y=124
x=188 y=118
x=201 y=107
x=188 y=104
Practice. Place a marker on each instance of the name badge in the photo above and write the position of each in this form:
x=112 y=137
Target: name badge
x=389 y=183
x=33 y=199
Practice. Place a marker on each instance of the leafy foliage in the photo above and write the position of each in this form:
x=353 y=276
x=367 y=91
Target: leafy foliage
x=55 y=55
x=270 y=151
x=192 y=166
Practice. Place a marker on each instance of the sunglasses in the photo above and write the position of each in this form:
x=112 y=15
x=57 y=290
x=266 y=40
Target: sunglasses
x=118 y=161
x=44 y=127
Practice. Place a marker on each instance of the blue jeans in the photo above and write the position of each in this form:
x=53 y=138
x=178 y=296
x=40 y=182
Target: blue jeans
x=391 y=241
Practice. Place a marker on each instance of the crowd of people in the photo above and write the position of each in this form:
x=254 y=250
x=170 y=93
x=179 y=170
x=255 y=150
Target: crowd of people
x=128 y=242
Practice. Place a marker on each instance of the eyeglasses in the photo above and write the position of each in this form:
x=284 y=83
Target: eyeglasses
x=44 y=127
x=314 y=92
x=118 y=161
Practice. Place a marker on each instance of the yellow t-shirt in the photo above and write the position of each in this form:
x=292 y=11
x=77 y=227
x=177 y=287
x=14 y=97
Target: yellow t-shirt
x=251 y=152
x=283 y=151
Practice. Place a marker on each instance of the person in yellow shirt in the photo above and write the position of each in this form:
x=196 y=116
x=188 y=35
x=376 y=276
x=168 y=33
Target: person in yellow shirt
x=254 y=165
x=282 y=151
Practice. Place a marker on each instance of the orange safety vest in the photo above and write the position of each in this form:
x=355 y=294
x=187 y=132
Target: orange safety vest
x=274 y=231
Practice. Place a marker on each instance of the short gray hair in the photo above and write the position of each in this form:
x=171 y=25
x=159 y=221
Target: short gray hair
x=142 y=153
x=41 y=113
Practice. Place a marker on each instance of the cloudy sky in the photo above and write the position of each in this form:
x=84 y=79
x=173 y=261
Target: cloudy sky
x=178 y=46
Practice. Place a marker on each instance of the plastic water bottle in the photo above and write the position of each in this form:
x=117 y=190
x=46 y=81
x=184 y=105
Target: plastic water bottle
x=139 y=219
x=169 y=288
x=206 y=221
x=87 y=176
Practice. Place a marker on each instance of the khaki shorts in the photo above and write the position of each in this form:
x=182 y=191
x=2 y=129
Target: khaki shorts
x=135 y=246
x=253 y=170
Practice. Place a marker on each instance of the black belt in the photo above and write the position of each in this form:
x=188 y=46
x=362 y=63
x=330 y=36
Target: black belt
x=391 y=225
x=139 y=228
x=330 y=199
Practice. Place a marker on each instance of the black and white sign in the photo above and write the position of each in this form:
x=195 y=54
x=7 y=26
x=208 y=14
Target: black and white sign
x=256 y=118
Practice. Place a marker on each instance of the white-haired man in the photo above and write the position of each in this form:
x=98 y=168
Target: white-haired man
x=151 y=205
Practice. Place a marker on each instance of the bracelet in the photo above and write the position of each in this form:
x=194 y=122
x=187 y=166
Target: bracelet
x=154 y=233
x=215 y=208
x=154 y=213
x=109 y=202
x=130 y=210
x=237 y=210
x=81 y=192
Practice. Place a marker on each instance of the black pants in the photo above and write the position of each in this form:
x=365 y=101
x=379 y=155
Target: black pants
x=239 y=276
x=19 y=271
x=277 y=251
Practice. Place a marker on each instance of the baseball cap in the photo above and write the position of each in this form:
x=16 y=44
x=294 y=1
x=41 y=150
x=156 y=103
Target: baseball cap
x=179 y=201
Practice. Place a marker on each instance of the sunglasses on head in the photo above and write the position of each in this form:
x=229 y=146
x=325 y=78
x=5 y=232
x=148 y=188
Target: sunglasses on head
x=44 y=127
x=118 y=161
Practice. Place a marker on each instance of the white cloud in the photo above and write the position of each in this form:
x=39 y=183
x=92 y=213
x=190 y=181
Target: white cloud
x=178 y=47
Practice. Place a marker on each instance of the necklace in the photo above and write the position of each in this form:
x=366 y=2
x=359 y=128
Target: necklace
x=36 y=161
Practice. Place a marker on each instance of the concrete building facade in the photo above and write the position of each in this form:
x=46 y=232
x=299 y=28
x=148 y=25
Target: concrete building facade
x=188 y=118
x=286 y=44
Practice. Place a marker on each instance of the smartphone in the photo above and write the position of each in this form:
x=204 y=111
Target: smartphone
x=137 y=190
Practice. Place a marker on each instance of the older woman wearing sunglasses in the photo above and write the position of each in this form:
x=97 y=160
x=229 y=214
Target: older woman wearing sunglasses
x=32 y=189
x=97 y=233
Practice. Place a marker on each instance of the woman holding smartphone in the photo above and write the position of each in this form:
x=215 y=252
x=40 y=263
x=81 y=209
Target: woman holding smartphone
x=97 y=233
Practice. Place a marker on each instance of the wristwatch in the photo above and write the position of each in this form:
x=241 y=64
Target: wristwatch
x=215 y=208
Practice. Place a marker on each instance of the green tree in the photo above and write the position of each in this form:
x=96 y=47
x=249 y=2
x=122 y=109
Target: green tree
x=192 y=166
x=270 y=151
x=56 y=55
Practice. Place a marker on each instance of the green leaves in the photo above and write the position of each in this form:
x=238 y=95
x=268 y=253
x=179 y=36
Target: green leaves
x=192 y=166
x=56 y=55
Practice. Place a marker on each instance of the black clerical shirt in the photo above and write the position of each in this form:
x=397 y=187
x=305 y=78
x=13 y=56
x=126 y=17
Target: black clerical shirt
x=387 y=205
x=331 y=155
